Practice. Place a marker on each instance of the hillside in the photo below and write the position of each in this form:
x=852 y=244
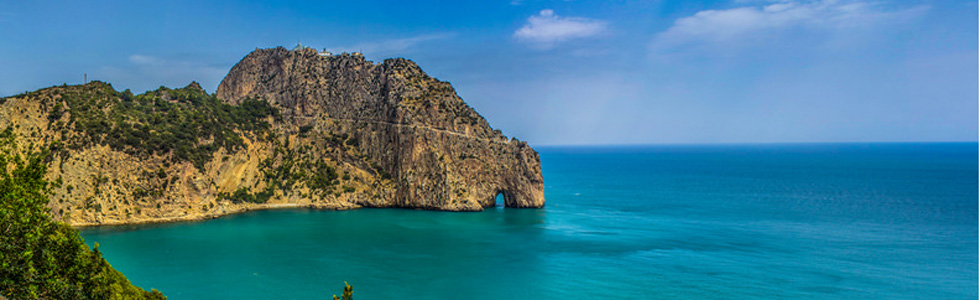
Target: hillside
x=284 y=129
x=39 y=258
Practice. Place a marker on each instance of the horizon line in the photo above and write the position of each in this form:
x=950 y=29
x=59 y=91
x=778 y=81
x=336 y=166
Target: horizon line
x=752 y=143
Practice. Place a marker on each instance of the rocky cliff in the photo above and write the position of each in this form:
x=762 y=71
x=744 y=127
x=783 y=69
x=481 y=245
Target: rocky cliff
x=284 y=129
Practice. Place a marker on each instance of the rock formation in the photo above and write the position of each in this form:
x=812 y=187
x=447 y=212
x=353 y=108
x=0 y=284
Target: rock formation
x=296 y=128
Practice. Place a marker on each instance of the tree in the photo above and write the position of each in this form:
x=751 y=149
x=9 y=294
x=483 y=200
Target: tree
x=40 y=258
x=348 y=290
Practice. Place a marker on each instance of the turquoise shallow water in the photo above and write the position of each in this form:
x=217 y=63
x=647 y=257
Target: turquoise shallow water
x=821 y=221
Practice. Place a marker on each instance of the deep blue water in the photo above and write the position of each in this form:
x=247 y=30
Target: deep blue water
x=808 y=221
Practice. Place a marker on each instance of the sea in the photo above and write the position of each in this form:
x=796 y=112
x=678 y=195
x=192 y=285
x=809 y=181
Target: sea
x=757 y=221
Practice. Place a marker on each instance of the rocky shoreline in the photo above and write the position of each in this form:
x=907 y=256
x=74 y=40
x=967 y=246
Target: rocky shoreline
x=285 y=128
x=205 y=217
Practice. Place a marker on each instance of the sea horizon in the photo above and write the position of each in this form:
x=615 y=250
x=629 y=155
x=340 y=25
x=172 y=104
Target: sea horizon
x=882 y=221
x=626 y=145
x=484 y=150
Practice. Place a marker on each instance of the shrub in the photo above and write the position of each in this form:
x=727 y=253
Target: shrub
x=190 y=128
x=40 y=258
x=304 y=129
x=348 y=293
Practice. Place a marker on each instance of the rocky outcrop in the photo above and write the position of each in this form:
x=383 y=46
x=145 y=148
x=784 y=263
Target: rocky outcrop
x=440 y=153
x=345 y=133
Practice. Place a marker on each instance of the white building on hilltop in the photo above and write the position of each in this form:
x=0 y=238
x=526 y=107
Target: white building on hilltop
x=324 y=52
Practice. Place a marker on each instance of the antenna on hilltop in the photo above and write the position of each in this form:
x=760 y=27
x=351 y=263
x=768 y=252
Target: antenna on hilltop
x=85 y=78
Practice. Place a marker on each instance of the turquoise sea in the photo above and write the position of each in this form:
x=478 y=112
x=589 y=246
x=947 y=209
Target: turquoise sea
x=796 y=221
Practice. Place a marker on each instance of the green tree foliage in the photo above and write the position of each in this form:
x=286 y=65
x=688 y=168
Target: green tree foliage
x=296 y=167
x=347 y=295
x=242 y=195
x=40 y=258
x=186 y=123
x=323 y=175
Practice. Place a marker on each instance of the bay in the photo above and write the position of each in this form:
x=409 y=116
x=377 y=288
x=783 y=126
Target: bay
x=789 y=221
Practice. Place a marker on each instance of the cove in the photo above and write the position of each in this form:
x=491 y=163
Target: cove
x=306 y=254
x=821 y=221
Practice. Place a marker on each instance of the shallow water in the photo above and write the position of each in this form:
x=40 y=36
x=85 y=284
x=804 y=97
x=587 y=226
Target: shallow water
x=819 y=221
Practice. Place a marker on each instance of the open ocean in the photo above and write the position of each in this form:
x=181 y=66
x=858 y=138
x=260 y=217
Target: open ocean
x=794 y=221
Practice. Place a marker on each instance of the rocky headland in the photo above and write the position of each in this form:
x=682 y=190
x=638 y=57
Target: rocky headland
x=285 y=128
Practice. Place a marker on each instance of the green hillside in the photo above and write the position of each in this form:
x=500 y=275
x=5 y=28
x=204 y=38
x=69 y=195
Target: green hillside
x=40 y=258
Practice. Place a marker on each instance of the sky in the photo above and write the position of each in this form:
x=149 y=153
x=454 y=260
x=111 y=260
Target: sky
x=563 y=72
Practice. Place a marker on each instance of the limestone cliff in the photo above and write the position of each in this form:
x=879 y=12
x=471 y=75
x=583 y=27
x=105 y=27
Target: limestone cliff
x=284 y=129
x=440 y=153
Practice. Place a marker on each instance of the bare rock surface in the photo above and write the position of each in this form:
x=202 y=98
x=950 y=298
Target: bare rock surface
x=347 y=133
x=440 y=152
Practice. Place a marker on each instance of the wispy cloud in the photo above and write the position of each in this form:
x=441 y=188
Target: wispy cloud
x=746 y=24
x=145 y=60
x=546 y=29
x=395 y=46
x=141 y=69
x=173 y=67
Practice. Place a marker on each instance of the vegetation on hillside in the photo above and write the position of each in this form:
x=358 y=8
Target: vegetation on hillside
x=40 y=258
x=187 y=123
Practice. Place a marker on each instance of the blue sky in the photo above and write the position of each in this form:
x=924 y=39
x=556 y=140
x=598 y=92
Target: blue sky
x=563 y=72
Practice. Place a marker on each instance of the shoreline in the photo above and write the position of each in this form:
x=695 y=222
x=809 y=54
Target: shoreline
x=204 y=217
x=255 y=207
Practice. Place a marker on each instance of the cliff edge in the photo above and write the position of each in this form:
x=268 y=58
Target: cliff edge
x=440 y=153
x=286 y=128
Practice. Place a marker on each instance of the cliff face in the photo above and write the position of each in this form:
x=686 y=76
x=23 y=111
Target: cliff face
x=287 y=129
x=438 y=151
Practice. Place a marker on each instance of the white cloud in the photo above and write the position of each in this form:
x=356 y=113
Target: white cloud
x=750 y=23
x=547 y=29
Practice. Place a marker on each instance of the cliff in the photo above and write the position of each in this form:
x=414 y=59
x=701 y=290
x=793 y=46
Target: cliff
x=440 y=153
x=284 y=129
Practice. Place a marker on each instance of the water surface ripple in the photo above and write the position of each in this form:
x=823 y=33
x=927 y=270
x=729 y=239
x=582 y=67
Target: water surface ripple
x=820 y=221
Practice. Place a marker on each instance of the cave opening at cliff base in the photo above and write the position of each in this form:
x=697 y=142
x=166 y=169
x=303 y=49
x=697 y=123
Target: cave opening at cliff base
x=503 y=198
